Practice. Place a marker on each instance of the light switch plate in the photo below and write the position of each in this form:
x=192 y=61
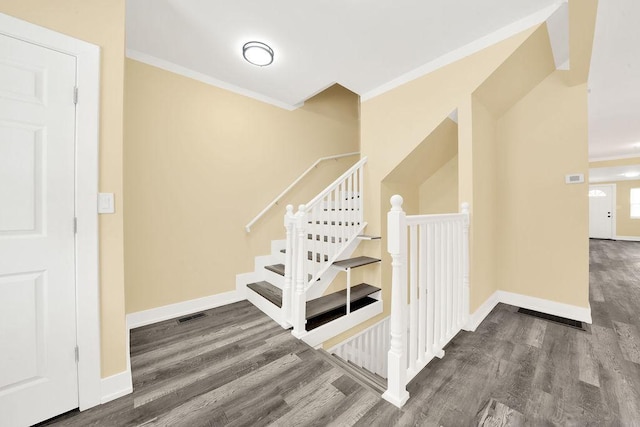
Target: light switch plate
x=106 y=204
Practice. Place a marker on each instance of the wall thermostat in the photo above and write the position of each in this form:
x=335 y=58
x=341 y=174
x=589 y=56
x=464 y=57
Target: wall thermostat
x=574 y=178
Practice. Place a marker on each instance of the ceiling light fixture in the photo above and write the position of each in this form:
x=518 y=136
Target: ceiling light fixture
x=257 y=53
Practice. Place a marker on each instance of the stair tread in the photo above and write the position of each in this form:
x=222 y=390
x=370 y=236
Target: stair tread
x=346 y=264
x=276 y=268
x=316 y=322
x=268 y=291
x=337 y=300
x=368 y=237
x=279 y=269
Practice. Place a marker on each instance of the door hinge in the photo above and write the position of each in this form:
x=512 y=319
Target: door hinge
x=75 y=94
x=77 y=354
x=75 y=225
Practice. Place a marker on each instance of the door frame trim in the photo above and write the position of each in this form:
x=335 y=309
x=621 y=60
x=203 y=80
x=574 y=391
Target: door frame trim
x=86 y=195
x=614 y=207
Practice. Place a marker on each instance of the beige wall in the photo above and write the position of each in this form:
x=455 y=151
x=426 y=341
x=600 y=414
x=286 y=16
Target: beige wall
x=200 y=163
x=486 y=216
x=100 y=22
x=544 y=222
x=439 y=193
x=396 y=122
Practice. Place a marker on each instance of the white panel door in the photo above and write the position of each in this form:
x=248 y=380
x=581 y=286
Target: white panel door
x=601 y=211
x=38 y=371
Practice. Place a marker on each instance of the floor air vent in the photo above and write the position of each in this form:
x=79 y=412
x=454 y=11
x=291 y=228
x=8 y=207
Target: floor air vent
x=191 y=317
x=556 y=319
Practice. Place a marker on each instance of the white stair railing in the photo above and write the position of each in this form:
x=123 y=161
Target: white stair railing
x=430 y=261
x=317 y=234
x=280 y=196
x=367 y=349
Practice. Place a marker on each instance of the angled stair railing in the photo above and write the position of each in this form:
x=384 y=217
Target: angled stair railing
x=316 y=236
x=280 y=196
x=430 y=259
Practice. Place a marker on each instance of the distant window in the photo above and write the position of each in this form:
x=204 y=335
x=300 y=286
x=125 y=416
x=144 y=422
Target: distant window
x=598 y=193
x=634 y=202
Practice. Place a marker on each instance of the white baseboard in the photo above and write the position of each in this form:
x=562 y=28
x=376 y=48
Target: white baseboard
x=116 y=386
x=483 y=311
x=628 y=238
x=154 y=315
x=121 y=384
x=573 y=312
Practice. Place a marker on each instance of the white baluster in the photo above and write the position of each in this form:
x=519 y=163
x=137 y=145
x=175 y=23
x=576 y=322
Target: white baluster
x=422 y=294
x=450 y=267
x=349 y=204
x=431 y=278
x=442 y=285
x=361 y=193
x=413 y=297
x=340 y=218
x=437 y=287
x=456 y=262
x=397 y=392
x=289 y=224
x=300 y=300
x=465 y=266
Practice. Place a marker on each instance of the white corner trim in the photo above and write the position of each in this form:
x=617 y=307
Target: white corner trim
x=482 y=312
x=573 y=312
x=154 y=315
x=86 y=180
x=466 y=50
x=201 y=77
x=628 y=238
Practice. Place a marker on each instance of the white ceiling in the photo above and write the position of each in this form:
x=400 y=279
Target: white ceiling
x=370 y=47
x=360 y=45
x=614 y=81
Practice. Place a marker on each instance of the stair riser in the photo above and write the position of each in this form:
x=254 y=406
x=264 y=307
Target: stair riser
x=267 y=307
x=277 y=245
x=274 y=278
x=262 y=261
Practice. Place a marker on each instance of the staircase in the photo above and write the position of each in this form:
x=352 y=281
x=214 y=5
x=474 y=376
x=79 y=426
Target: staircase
x=289 y=284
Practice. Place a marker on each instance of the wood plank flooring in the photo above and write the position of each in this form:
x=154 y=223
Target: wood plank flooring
x=236 y=367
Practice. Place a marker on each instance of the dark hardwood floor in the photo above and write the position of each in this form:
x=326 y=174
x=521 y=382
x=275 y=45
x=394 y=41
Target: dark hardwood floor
x=236 y=367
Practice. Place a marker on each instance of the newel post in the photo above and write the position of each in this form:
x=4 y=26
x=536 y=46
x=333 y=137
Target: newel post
x=464 y=209
x=397 y=392
x=299 y=298
x=289 y=225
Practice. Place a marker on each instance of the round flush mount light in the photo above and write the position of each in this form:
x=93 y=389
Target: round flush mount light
x=257 y=53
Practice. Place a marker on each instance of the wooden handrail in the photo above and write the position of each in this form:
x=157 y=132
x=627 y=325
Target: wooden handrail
x=293 y=184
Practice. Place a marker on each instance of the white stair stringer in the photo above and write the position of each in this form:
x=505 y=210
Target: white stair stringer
x=317 y=336
x=316 y=289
